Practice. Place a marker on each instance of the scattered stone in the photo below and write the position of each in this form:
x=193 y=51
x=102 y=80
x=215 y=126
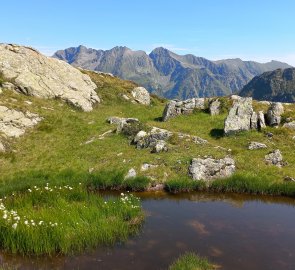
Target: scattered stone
x=2 y=148
x=290 y=125
x=157 y=187
x=141 y=95
x=289 y=179
x=115 y=119
x=102 y=136
x=48 y=108
x=209 y=169
x=160 y=146
x=28 y=102
x=214 y=107
x=131 y=174
x=239 y=117
x=147 y=166
x=195 y=139
x=176 y=107
x=14 y=123
x=9 y=86
x=124 y=123
x=256 y=145
x=37 y=75
x=125 y=97
x=90 y=170
x=275 y=158
x=261 y=120
x=119 y=154
x=269 y=135
x=274 y=113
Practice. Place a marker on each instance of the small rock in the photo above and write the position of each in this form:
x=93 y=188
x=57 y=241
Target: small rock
x=269 y=135
x=131 y=174
x=275 y=158
x=290 y=125
x=90 y=170
x=214 y=107
x=256 y=145
x=274 y=113
x=8 y=86
x=141 y=95
x=28 y=102
x=289 y=179
x=139 y=136
x=160 y=146
x=146 y=166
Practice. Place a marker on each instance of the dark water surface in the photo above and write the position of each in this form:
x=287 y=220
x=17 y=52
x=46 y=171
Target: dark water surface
x=235 y=232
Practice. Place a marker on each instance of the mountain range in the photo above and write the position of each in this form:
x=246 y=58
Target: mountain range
x=168 y=74
x=277 y=85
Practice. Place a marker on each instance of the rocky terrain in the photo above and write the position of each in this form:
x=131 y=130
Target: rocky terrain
x=277 y=85
x=131 y=131
x=167 y=74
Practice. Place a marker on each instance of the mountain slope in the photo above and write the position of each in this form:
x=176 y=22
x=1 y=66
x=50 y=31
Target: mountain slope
x=278 y=85
x=167 y=74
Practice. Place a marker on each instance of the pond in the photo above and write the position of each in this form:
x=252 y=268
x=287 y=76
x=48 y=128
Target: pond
x=233 y=231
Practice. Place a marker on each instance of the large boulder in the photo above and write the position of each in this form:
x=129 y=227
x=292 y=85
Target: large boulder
x=274 y=113
x=239 y=116
x=14 y=123
x=208 y=169
x=141 y=95
x=37 y=75
x=177 y=107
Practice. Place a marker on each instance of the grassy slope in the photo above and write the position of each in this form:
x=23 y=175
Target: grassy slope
x=58 y=143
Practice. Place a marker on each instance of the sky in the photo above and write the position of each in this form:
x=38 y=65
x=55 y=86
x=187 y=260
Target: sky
x=256 y=30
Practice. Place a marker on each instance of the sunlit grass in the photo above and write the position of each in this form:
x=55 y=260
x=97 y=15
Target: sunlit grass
x=64 y=219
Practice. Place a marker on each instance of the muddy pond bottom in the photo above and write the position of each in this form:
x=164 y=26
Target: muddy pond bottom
x=232 y=231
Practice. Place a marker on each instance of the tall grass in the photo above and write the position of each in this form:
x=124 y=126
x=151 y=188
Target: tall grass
x=191 y=261
x=65 y=219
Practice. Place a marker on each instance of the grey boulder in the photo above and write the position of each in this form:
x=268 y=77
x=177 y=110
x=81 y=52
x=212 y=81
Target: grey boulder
x=141 y=95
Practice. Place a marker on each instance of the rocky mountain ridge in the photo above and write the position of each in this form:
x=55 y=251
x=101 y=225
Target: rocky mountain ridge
x=168 y=74
x=277 y=85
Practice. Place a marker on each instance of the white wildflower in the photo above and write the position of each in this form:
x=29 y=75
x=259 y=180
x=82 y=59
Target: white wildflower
x=14 y=226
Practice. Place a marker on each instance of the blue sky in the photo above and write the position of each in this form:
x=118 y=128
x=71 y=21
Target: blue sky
x=252 y=30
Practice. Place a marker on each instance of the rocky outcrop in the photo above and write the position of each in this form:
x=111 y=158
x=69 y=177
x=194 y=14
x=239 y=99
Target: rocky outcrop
x=160 y=146
x=275 y=158
x=214 y=107
x=141 y=95
x=14 y=123
x=239 y=117
x=177 y=107
x=37 y=75
x=256 y=145
x=274 y=113
x=209 y=169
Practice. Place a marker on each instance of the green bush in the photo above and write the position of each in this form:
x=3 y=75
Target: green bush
x=191 y=261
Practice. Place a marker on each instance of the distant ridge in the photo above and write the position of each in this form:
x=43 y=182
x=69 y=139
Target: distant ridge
x=168 y=74
x=277 y=85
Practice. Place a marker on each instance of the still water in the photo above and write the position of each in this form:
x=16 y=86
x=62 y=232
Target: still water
x=233 y=231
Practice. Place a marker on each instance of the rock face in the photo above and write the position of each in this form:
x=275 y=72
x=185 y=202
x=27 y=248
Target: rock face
x=214 y=107
x=256 y=145
x=176 y=107
x=274 y=113
x=239 y=117
x=14 y=123
x=37 y=75
x=209 y=169
x=290 y=125
x=141 y=95
x=275 y=158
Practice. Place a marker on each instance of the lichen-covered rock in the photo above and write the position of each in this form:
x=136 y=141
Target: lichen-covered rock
x=208 y=169
x=9 y=86
x=14 y=123
x=141 y=95
x=131 y=174
x=214 y=107
x=160 y=146
x=274 y=113
x=290 y=125
x=239 y=116
x=254 y=121
x=275 y=158
x=37 y=75
x=176 y=107
x=256 y=145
